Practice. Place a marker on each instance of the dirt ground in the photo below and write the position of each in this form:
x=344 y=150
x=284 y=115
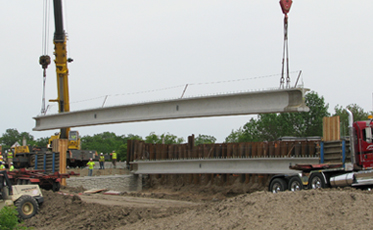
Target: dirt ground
x=195 y=207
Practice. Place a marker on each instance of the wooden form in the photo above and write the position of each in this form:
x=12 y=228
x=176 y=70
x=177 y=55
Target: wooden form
x=60 y=146
x=331 y=128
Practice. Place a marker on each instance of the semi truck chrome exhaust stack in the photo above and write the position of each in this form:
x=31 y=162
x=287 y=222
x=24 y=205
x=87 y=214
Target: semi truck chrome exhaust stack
x=352 y=137
x=342 y=180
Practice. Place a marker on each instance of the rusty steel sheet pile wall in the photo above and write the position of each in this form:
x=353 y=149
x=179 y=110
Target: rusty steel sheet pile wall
x=139 y=150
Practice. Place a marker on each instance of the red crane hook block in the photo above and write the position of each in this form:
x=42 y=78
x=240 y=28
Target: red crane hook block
x=285 y=6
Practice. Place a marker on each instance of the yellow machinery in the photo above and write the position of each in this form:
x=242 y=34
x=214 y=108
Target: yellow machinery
x=61 y=61
x=74 y=140
x=75 y=156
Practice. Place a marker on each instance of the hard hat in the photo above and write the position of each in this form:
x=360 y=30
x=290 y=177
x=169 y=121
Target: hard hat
x=102 y=154
x=11 y=163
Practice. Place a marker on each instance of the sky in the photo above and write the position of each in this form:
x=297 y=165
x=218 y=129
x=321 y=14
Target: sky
x=136 y=51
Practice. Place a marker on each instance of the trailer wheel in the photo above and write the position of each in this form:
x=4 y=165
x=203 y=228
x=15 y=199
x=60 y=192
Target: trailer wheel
x=278 y=185
x=32 y=161
x=56 y=186
x=316 y=181
x=27 y=207
x=295 y=184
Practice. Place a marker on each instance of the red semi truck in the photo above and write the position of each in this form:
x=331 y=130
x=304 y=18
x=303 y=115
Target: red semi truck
x=343 y=163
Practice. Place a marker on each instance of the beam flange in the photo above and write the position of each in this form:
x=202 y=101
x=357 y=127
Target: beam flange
x=229 y=165
x=271 y=101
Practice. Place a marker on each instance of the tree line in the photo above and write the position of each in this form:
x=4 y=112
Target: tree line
x=264 y=127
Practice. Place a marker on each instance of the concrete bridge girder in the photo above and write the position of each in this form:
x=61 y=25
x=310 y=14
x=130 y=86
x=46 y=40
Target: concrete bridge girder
x=272 y=101
x=218 y=166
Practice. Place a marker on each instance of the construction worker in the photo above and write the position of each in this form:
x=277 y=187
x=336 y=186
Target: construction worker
x=90 y=165
x=2 y=167
x=102 y=161
x=10 y=156
x=114 y=158
x=11 y=168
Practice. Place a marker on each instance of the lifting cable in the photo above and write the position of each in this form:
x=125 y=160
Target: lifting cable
x=285 y=6
x=45 y=60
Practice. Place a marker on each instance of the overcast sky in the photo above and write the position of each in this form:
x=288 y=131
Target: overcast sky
x=126 y=48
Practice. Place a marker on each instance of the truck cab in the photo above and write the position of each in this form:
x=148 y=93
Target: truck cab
x=363 y=144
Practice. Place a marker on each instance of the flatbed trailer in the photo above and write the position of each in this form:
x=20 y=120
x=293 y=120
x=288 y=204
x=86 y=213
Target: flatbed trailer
x=352 y=166
x=48 y=181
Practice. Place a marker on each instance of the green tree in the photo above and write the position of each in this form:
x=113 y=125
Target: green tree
x=42 y=142
x=234 y=136
x=122 y=152
x=163 y=139
x=358 y=113
x=204 y=139
x=10 y=137
x=312 y=120
x=104 y=142
x=271 y=126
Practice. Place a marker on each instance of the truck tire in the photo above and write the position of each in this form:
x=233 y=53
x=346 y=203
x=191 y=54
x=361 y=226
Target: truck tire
x=295 y=184
x=56 y=186
x=27 y=207
x=278 y=185
x=5 y=193
x=316 y=181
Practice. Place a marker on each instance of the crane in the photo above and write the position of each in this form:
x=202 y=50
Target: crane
x=62 y=71
x=61 y=61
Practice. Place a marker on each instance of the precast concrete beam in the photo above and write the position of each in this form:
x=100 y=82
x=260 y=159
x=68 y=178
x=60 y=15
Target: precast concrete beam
x=229 y=165
x=272 y=101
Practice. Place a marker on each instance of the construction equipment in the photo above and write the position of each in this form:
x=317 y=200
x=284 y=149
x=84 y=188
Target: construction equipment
x=24 y=156
x=75 y=156
x=337 y=168
x=26 y=198
x=74 y=140
x=47 y=181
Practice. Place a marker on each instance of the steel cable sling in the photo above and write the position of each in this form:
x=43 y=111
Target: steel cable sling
x=285 y=6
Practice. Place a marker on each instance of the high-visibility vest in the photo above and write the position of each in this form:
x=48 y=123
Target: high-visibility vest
x=11 y=168
x=90 y=164
x=102 y=158
x=2 y=167
x=10 y=155
x=114 y=156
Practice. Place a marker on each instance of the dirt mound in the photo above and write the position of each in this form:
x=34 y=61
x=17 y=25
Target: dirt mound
x=313 y=209
x=70 y=212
